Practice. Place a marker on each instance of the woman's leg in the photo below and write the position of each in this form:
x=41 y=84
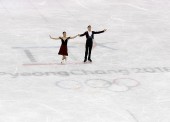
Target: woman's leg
x=62 y=59
x=65 y=58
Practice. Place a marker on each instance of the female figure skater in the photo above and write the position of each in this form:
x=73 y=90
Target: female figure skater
x=63 y=48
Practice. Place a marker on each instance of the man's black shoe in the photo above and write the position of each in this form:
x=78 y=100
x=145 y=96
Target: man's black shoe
x=85 y=60
x=90 y=60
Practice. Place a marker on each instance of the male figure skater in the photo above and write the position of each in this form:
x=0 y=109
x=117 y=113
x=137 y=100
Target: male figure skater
x=89 y=41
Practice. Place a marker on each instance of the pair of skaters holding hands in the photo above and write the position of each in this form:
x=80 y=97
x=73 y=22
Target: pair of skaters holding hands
x=88 y=46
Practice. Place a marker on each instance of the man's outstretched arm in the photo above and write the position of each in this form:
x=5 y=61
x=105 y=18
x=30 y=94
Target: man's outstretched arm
x=98 y=32
x=82 y=34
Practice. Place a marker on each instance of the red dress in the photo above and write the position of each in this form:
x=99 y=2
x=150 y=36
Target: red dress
x=63 y=47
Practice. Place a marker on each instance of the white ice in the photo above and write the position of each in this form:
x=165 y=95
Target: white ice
x=128 y=81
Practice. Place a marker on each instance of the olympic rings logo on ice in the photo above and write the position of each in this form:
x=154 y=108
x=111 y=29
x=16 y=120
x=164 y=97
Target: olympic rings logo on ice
x=116 y=85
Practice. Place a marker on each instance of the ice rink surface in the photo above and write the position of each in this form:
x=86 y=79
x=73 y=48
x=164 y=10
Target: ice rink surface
x=128 y=81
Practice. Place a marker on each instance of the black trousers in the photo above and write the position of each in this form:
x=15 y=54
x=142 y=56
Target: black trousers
x=88 y=48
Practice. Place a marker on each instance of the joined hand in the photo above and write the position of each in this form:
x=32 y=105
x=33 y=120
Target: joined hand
x=104 y=30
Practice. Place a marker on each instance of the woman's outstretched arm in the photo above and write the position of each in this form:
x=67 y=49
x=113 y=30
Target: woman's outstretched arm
x=54 y=38
x=73 y=37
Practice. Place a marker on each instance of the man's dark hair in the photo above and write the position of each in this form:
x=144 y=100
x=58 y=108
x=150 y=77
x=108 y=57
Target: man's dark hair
x=89 y=26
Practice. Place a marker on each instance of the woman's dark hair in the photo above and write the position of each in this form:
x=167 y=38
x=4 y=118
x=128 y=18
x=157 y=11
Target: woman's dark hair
x=64 y=32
